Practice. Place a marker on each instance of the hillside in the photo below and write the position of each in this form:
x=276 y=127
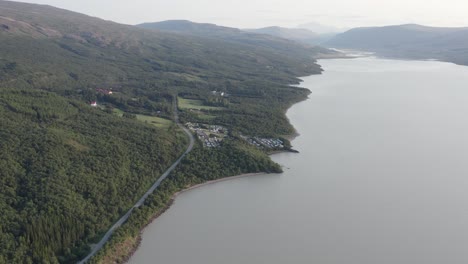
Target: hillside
x=272 y=42
x=188 y=27
x=52 y=35
x=85 y=53
x=408 y=41
x=69 y=170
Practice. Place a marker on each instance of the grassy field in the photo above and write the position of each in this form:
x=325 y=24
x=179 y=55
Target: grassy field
x=206 y=117
x=156 y=121
x=195 y=104
x=153 y=120
x=118 y=112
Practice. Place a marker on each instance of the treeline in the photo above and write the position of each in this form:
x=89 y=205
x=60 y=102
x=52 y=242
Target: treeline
x=258 y=116
x=141 y=89
x=201 y=165
x=68 y=172
x=146 y=67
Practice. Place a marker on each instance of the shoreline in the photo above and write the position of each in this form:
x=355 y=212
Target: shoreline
x=126 y=258
x=289 y=137
x=173 y=198
x=138 y=239
x=218 y=180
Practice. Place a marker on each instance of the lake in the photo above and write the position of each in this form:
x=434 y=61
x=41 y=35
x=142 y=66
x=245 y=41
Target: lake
x=381 y=177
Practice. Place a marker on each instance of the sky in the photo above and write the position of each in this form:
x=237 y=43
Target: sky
x=287 y=13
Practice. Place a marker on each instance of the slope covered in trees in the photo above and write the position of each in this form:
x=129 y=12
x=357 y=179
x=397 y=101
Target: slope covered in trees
x=277 y=40
x=73 y=54
x=201 y=165
x=69 y=170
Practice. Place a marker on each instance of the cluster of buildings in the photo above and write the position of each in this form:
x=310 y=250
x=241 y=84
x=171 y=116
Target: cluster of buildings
x=210 y=135
x=222 y=94
x=265 y=143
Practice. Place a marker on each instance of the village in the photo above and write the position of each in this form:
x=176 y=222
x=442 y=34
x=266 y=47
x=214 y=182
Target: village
x=265 y=143
x=210 y=135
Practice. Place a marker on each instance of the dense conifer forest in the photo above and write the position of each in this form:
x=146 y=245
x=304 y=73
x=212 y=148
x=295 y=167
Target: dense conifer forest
x=69 y=170
x=200 y=166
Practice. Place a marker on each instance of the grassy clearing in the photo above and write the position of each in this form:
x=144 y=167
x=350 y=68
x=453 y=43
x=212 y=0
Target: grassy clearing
x=206 y=117
x=195 y=104
x=118 y=112
x=156 y=121
x=188 y=77
x=153 y=120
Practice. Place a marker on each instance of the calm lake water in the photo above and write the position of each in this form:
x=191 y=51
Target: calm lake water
x=382 y=177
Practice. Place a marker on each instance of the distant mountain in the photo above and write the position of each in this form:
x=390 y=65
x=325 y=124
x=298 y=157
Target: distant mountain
x=408 y=41
x=320 y=28
x=301 y=35
x=186 y=26
x=297 y=34
x=274 y=42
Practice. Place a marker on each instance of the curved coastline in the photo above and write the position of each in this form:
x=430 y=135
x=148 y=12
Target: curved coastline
x=125 y=257
x=338 y=190
x=289 y=137
x=173 y=199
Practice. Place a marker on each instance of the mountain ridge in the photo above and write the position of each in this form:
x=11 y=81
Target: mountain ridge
x=233 y=35
x=408 y=41
x=297 y=34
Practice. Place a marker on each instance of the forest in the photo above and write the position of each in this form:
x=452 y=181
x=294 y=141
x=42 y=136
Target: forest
x=69 y=170
x=201 y=165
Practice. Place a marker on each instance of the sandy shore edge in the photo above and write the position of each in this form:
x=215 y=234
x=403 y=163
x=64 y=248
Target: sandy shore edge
x=172 y=200
x=289 y=137
x=216 y=181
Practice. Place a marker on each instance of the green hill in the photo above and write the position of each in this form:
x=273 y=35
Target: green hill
x=69 y=170
x=73 y=54
x=60 y=47
x=291 y=42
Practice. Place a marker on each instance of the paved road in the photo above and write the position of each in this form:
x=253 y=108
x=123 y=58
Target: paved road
x=140 y=202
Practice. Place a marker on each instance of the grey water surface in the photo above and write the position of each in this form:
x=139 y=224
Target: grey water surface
x=381 y=178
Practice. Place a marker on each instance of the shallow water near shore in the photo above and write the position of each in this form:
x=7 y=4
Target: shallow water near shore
x=381 y=177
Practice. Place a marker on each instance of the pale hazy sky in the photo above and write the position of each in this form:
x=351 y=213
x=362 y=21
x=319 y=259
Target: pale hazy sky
x=289 y=13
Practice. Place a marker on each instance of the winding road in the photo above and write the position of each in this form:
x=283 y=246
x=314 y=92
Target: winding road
x=140 y=202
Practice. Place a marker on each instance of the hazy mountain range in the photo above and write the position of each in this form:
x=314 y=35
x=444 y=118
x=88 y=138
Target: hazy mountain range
x=301 y=35
x=287 y=40
x=407 y=41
